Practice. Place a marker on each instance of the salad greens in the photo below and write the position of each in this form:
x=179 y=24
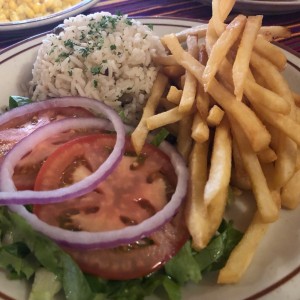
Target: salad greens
x=16 y=101
x=23 y=252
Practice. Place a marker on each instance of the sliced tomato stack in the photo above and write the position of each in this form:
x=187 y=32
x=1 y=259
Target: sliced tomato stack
x=138 y=188
x=117 y=215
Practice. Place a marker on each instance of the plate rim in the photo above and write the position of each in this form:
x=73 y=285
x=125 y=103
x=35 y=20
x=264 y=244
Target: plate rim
x=293 y=60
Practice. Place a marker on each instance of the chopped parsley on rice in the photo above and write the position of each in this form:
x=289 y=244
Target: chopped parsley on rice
x=101 y=56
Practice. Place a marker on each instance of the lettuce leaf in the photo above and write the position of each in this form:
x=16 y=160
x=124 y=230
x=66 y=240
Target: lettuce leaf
x=23 y=251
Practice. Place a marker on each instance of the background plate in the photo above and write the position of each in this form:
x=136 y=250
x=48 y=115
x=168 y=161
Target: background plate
x=7 y=28
x=264 y=7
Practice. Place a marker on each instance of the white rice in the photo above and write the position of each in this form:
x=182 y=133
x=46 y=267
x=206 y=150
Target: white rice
x=100 y=56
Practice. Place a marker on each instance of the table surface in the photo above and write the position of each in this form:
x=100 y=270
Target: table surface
x=190 y=9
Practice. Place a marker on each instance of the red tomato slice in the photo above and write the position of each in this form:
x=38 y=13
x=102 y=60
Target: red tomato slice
x=18 y=128
x=137 y=189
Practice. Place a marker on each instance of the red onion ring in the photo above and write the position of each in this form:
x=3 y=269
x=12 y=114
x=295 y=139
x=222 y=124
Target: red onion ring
x=114 y=238
x=8 y=193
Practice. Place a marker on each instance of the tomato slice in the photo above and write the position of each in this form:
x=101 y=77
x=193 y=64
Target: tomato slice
x=137 y=189
x=18 y=128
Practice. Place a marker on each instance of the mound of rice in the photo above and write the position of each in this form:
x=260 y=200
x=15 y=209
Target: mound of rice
x=101 y=56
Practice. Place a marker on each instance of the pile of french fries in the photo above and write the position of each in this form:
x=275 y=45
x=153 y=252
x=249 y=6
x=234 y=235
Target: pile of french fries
x=222 y=93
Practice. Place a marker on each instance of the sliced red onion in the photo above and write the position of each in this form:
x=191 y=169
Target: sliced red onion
x=114 y=238
x=8 y=193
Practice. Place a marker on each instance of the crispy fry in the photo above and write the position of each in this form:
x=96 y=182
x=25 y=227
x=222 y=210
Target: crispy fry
x=267 y=208
x=221 y=48
x=267 y=155
x=211 y=37
x=202 y=102
x=195 y=211
x=241 y=64
x=200 y=130
x=291 y=193
x=243 y=253
x=252 y=126
x=287 y=148
x=139 y=135
x=190 y=85
x=262 y=96
x=271 y=52
x=217 y=19
x=215 y=116
x=220 y=168
x=272 y=77
x=174 y=71
x=239 y=176
x=174 y=95
x=282 y=122
x=296 y=97
x=271 y=33
x=165 y=60
x=184 y=137
x=235 y=62
x=164 y=118
x=199 y=31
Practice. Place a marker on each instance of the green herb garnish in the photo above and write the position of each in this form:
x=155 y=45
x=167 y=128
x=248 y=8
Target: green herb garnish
x=16 y=101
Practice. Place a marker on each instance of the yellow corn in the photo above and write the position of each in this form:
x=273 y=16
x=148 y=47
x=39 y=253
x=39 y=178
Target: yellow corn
x=16 y=10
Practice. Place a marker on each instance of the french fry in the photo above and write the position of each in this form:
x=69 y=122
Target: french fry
x=271 y=33
x=220 y=167
x=225 y=8
x=271 y=52
x=174 y=95
x=262 y=96
x=139 y=135
x=195 y=211
x=167 y=60
x=267 y=208
x=211 y=37
x=164 y=118
x=290 y=194
x=241 y=63
x=284 y=123
x=273 y=78
x=287 y=148
x=286 y=161
x=235 y=62
x=242 y=255
x=216 y=211
x=252 y=126
x=239 y=176
x=298 y=160
x=296 y=97
x=200 y=130
x=221 y=48
x=203 y=56
x=174 y=71
x=267 y=155
x=184 y=137
x=199 y=31
x=190 y=85
x=217 y=17
x=202 y=102
x=215 y=116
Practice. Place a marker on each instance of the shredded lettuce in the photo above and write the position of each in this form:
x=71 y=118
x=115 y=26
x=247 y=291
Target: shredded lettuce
x=23 y=252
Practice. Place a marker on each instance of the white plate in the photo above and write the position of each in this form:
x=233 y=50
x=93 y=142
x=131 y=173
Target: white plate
x=46 y=20
x=264 y=7
x=275 y=270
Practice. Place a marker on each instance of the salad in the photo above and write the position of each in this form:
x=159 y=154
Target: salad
x=28 y=254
